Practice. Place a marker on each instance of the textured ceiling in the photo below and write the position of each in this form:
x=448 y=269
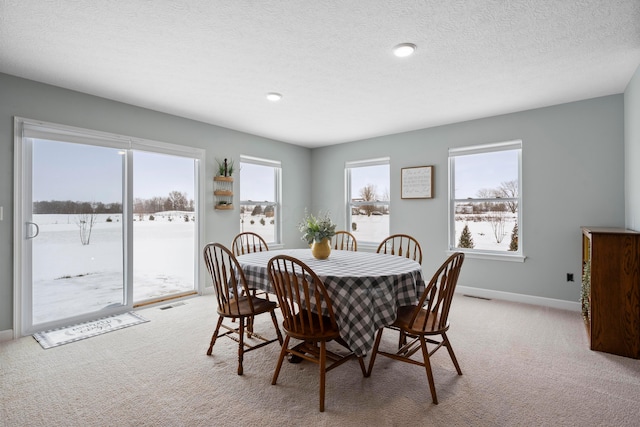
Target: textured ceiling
x=214 y=60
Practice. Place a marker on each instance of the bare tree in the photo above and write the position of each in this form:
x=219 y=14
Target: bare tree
x=138 y=206
x=385 y=197
x=178 y=201
x=497 y=222
x=85 y=222
x=485 y=193
x=510 y=189
x=155 y=204
x=368 y=194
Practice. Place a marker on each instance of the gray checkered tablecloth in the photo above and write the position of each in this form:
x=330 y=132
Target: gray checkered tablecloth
x=365 y=288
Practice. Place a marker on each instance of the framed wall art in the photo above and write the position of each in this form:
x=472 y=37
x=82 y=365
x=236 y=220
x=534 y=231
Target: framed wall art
x=416 y=182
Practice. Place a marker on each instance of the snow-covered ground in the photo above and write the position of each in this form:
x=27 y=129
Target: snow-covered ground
x=374 y=228
x=368 y=228
x=483 y=234
x=71 y=279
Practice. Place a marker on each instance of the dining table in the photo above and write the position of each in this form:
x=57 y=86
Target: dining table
x=366 y=288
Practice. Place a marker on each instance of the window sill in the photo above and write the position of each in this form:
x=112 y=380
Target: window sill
x=490 y=256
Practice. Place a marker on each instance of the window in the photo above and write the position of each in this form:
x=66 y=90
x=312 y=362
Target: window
x=368 y=200
x=260 y=198
x=485 y=200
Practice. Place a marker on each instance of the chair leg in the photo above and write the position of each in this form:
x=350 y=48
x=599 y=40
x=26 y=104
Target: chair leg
x=283 y=352
x=374 y=352
x=215 y=335
x=362 y=367
x=275 y=324
x=402 y=339
x=427 y=366
x=323 y=372
x=240 y=345
x=249 y=326
x=447 y=343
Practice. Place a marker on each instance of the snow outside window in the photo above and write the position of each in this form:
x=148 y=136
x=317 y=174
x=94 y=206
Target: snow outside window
x=485 y=200
x=367 y=183
x=260 y=198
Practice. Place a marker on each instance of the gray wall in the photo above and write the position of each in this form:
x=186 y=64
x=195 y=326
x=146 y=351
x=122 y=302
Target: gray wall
x=573 y=175
x=573 y=158
x=33 y=100
x=632 y=151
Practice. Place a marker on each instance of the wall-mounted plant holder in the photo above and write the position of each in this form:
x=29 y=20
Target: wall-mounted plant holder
x=223 y=192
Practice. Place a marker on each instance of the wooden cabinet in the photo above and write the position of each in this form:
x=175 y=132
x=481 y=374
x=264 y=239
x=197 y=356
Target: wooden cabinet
x=613 y=300
x=223 y=192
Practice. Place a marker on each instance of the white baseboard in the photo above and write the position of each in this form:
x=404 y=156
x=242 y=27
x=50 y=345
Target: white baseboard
x=6 y=335
x=464 y=290
x=526 y=299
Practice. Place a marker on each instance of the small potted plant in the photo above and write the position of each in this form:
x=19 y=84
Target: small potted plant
x=317 y=232
x=225 y=167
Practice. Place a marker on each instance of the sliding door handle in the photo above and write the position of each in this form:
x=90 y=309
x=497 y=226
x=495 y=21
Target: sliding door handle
x=29 y=226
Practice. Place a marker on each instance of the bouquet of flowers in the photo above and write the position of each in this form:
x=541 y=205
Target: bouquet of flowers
x=314 y=229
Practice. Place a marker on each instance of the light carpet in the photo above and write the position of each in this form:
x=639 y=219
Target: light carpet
x=81 y=331
x=522 y=366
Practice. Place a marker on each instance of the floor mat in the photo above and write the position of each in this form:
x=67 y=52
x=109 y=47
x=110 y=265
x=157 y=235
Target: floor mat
x=65 y=335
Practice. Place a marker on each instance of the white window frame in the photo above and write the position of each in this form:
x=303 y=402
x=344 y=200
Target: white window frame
x=364 y=245
x=516 y=256
x=277 y=194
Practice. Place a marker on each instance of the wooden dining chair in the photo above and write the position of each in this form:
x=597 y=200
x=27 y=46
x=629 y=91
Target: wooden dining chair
x=245 y=243
x=235 y=301
x=344 y=241
x=401 y=245
x=426 y=322
x=248 y=242
x=308 y=316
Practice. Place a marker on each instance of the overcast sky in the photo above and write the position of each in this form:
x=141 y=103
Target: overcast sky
x=77 y=172
x=484 y=171
x=378 y=176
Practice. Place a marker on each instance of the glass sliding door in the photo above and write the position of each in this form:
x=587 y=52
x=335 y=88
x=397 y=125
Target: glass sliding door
x=76 y=230
x=164 y=226
x=105 y=223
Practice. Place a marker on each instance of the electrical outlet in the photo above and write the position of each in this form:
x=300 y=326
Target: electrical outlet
x=569 y=277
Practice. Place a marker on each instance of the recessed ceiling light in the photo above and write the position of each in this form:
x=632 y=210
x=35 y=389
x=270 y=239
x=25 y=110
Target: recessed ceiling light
x=404 y=49
x=274 y=96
